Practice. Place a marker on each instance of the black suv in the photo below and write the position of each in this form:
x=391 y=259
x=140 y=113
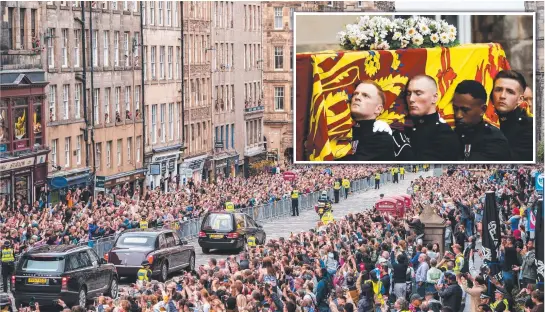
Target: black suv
x=229 y=230
x=72 y=273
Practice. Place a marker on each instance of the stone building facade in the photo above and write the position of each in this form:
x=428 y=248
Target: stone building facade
x=23 y=136
x=237 y=86
x=107 y=138
x=162 y=59
x=278 y=52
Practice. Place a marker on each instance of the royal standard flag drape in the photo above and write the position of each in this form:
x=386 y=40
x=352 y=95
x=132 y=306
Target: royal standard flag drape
x=326 y=80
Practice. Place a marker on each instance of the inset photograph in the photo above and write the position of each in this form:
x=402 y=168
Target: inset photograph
x=412 y=88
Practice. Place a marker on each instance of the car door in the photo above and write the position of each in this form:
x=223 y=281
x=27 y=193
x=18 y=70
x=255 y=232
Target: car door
x=257 y=230
x=162 y=251
x=250 y=227
x=87 y=272
x=174 y=257
x=102 y=271
x=182 y=249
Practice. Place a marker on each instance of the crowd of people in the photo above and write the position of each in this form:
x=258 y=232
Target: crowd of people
x=79 y=217
x=372 y=261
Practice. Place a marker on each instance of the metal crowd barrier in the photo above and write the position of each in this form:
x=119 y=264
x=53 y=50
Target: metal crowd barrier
x=270 y=211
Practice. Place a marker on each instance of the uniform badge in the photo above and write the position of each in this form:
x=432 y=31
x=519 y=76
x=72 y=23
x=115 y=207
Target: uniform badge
x=354 y=146
x=467 y=151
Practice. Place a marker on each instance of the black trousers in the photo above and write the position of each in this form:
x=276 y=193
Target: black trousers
x=7 y=270
x=346 y=190
x=336 y=195
x=377 y=184
x=295 y=206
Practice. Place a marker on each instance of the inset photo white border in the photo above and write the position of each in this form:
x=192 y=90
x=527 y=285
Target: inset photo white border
x=357 y=14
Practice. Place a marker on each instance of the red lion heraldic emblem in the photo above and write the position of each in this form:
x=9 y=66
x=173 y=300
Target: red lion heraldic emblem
x=326 y=81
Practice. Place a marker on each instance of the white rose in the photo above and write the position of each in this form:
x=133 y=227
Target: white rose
x=418 y=40
x=424 y=29
x=451 y=37
x=411 y=32
x=396 y=35
x=444 y=38
x=434 y=38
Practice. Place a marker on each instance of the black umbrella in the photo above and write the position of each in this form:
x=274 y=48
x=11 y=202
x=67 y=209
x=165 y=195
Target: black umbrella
x=539 y=242
x=491 y=235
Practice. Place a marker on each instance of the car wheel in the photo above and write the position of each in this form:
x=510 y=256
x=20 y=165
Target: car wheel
x=164 y=272
x=206 y=250
x=191 y=265
x=114 y=288
x=82 y=297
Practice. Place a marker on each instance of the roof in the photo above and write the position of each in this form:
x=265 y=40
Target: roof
x=55 y=249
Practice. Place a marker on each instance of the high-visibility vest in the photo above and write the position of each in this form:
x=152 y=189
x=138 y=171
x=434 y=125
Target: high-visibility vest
x=294 y=194
x=7 y=255
x=142 y=274
x=377 y=287
x=459 y=263
x=392 y=171
x=346 y=183
x=143 y=224
x=377 y=176
x=230 y=207
x=251 y=241
x=327 y=218
x=396 y=170
x=495 y=304
x=402 y=170
x=337 y=185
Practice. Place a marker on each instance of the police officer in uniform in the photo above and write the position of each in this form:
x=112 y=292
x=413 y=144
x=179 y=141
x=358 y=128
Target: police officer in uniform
x=229 y=206
x=336 y=189
x=251 y=241
x=500 y=304
x=377 y=180
x=479 y=140
x=346 y=186
x=371 y=139
x=144 y=273
x=8 y=264
x=402 y=172
x=516 y=125
x=294 y=202
x=430 y=137
x=143 y=224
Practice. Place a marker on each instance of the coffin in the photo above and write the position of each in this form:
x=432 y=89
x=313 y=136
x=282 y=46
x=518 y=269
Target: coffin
x=325 y=80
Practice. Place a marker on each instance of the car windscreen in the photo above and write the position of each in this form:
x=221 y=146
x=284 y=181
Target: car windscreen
x=136 y=240
x=218 y=222
x=42 y=264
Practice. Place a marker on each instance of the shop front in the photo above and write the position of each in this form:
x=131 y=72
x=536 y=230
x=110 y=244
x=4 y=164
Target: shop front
x=192 y=168
x=77 y=178
x=253 y=156
x=163 y=167
x=226 y=165
x=125 y=182
x=18 y=178
x=22 y=136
